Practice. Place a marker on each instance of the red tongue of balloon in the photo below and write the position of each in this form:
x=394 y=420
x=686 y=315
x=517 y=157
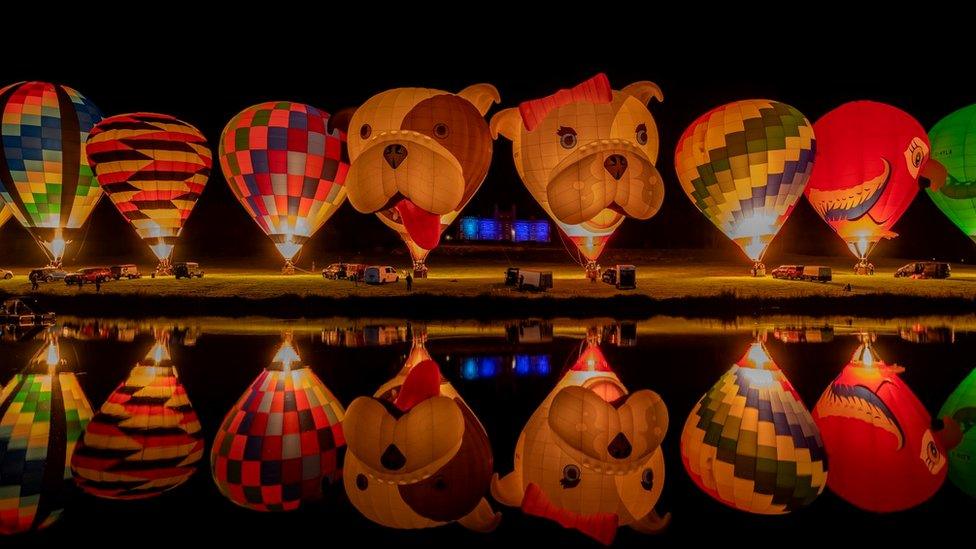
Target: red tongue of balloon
x=600 y=526
x=424 y=227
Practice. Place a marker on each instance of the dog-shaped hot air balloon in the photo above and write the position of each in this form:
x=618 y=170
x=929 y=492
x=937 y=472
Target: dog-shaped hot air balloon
x=590 y=456
x=587 y=156
x=417 y=157
x=419 y=460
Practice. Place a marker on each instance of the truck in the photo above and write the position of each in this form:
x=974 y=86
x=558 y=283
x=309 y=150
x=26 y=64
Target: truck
x=623 y=277
x=816 y=273
x=538 y=281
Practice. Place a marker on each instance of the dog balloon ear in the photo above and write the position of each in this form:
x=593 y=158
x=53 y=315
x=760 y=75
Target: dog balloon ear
x=482 y=96
x=507 y=122
x=340 y=120
x=644 y=91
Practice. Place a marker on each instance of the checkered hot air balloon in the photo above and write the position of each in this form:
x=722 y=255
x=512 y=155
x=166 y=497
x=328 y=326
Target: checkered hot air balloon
x=153 y=167
x=745 y=165
x=145 y=439
x=751 y=444
x=43 y=413
x=280 y=443
x=287 y=167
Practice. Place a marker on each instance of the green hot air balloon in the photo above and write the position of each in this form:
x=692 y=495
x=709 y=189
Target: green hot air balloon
x=954 y=145
x=961 y=406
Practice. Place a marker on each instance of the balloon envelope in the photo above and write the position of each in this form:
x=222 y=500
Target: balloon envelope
x=44 y=172
x=5 y=214
x=953 y=142
x=745 y=165
x=287 y=168
x=961 y=407
x=153 y=167
x=869 y=156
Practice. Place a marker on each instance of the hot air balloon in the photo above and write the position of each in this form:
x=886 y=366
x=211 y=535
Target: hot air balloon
x=751 y=444
x=590 y=456
x=44 y=173
x=418 y=156
x=153 y=167
x=745 y=165
x=869 y=156
x=587 y=155
x=279 y=445
x=883 y=454
x=286 y=165
x=951 y=138
x=145 y=439
x=417 y=456
x=43 y=413
x=961 y=407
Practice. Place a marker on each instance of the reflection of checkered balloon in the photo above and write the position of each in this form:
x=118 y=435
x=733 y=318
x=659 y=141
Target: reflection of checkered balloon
x=279 y=444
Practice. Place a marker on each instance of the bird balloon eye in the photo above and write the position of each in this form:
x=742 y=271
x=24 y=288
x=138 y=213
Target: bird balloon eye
x=918 y=158
x=647 y=479
x=641 y=134
x=571 y=476
x=365 y=131
x=567 y=137
x=441 y=131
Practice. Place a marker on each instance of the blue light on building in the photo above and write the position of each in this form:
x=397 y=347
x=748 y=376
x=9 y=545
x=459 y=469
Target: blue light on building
x=503 y=229
x=540 y=231
x=522 y=231
x=490 y=366
x=489 y=229
x=469 y=228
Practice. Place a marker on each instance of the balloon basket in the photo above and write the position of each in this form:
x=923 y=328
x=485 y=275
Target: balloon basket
x=165 y=268
x=592 y=271
x=864 y=267
x=288 y=269
x=758 y=269
x=419 y=269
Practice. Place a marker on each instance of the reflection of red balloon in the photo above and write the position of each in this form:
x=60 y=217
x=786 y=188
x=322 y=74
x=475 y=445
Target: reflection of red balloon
x=869 y=156
x=883 y=455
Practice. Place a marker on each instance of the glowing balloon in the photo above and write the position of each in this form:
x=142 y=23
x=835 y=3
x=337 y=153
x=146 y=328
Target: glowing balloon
x=417 y=157
x=961 y=407
x=869 y=156
x=587 y=154
x=145 y=439
x=286 y=165
x=883 y=453
x=590 y=456
x=153 y=167
x=953 y=142
x=280 y=443
x=44 y=172
x=745 y=165
x=43 y=413
x=417 y=455
x=751 y=444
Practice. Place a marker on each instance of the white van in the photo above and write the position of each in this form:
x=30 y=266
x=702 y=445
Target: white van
x=381 y=274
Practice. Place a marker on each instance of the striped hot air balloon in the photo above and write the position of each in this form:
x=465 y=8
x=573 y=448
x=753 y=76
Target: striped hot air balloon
x=153 y=167
x=43 y=413
x=44 y=171
x=751 y=444
x=280 y=443
x=745 y=165
x=287 y=167
x=145 y=439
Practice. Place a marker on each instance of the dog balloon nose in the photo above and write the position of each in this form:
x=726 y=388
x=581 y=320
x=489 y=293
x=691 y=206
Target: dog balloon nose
x=619 y=447
x=392 y=458
x=394 y=155
x=616 y=165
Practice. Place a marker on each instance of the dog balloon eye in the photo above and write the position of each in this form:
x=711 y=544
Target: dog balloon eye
x=365 y=131
x=441 y=131
x=647 y=479
x=567 y=137
x=641 y=132
x=362 y=482
x=571 y=476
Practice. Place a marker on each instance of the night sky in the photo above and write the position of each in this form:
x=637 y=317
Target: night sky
x=211 y=75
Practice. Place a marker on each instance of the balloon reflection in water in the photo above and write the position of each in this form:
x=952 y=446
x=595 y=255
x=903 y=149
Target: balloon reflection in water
x=961 y=407
x=589 y=458
x=43 y=413
x=883 y=453
x=751 y=444
x=280 y=443
x=145 y=439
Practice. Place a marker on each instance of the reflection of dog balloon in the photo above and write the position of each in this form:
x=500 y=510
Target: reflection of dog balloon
x=587 y=156
x=417 y=157
x=589 y=458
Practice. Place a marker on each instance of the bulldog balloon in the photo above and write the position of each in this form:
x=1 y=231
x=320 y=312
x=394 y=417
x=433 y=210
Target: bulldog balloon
x=417 y=157
x=587 y=156
x=590 y=456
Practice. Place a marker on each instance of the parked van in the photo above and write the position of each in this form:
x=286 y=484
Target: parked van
x=817 y=273
x=380 y=274
x=129 y=271
x=535 y=280
x=623 y=277
x=924 y=269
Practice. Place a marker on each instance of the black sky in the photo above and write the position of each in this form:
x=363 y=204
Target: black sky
x=204 y=72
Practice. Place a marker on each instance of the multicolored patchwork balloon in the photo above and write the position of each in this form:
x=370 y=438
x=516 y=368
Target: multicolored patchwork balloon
x=287 y=167
x=153 y=167
x=745 y=165
x=751 y=444
x=43 y=413
x=961 y=407
x=953 y=142
x=44 y=171
x=145 y=439
x=280 y=443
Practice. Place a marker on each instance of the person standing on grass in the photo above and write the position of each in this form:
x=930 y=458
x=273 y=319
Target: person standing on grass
x=34 y=285
x=98 y=285
x=409 y=281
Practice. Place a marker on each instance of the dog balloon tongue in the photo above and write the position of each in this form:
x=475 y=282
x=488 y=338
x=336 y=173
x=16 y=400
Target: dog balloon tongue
x=422 y=226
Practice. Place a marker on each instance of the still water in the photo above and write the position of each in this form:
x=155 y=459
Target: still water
x=238 y=429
